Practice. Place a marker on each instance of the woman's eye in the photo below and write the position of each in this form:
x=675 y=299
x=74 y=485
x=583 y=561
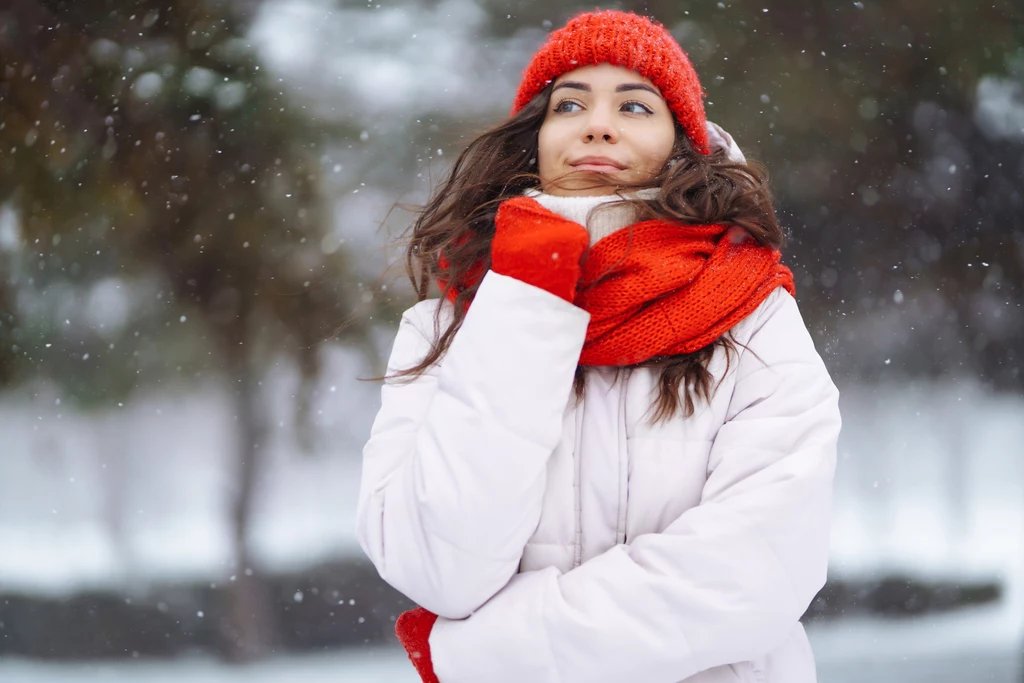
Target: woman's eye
x=564 y=107
x=637 y=108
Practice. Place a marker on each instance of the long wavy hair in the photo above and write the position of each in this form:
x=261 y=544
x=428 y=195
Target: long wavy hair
x=450 y=241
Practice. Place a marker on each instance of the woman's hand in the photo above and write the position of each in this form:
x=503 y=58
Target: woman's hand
x=538 y=247
x=413 y=631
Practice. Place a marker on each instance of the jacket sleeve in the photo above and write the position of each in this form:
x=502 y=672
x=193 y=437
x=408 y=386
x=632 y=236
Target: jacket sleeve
x=724 y=583
x=454 y=470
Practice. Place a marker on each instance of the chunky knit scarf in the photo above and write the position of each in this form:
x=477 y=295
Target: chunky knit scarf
x=656 y=289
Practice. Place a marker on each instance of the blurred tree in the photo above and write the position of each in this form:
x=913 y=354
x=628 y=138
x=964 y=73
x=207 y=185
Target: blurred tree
x=7 y=320
x=896 y=188
x=143 y=148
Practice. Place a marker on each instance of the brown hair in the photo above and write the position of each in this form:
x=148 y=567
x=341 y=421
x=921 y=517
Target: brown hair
x=451 y=239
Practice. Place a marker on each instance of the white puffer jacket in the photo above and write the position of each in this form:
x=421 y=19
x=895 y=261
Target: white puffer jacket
x=578 y=543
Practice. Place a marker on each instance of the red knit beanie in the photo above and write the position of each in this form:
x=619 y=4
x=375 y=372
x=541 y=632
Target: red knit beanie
x=627 y=40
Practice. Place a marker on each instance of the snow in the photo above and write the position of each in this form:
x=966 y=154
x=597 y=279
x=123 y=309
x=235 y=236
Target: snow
x=979 y=647
x=929 y=482
x=140 y=493
x=984 y=632
x=928 y=485
x=371 y=666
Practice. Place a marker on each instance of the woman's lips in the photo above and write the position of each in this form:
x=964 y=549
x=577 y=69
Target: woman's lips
x=599 y=164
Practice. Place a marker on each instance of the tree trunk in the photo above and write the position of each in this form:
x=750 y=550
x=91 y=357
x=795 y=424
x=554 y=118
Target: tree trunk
x=247 y=625
x=112 y=463
x=7 y=342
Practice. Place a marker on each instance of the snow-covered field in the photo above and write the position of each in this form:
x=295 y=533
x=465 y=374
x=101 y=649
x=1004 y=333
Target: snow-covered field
x=140 y=492
x=930 y=484
x=977 y=646
x=961 y=649
x=375 y=666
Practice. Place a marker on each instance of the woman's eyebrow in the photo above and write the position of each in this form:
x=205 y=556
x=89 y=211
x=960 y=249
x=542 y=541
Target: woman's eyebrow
x=575 y=85
x=623 y=87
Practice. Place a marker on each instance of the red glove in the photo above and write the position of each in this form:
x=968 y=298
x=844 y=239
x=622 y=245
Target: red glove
x=413 y=631
x=538 y=247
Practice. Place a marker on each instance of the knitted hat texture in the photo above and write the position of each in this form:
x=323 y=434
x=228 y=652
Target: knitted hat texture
x=630 y=41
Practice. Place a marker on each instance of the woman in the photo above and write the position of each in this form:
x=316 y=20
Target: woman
x=606 y=452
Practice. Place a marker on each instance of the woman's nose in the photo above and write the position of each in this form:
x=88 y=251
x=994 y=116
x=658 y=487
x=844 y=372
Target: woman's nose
x=599 y=126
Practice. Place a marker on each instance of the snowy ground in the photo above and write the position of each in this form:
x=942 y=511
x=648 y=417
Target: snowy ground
x=930 y=484
x=978 y=645
x=961 y=649
x=981 y=645
x=378 y=666
x=139 y=493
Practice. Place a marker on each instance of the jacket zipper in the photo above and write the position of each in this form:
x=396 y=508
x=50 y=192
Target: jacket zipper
x=623 y=452
x=577 y=555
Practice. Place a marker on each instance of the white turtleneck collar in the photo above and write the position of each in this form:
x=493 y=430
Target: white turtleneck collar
x=602 y=223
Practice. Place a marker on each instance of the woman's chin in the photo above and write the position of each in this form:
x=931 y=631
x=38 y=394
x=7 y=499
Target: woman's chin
x=583 y=184
x=584 y=192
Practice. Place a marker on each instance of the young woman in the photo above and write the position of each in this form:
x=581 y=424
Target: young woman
x=606 y=452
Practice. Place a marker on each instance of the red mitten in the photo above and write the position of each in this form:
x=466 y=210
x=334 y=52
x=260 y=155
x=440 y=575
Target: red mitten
x=413 y=631
x=538 y=247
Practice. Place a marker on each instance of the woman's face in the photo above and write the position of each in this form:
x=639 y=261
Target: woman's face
x=606 y=119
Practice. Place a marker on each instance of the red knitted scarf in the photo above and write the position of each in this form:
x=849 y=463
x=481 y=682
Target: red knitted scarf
x=655 y=289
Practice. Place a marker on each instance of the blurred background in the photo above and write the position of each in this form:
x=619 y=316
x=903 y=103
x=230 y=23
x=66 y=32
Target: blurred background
x=198 y=202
